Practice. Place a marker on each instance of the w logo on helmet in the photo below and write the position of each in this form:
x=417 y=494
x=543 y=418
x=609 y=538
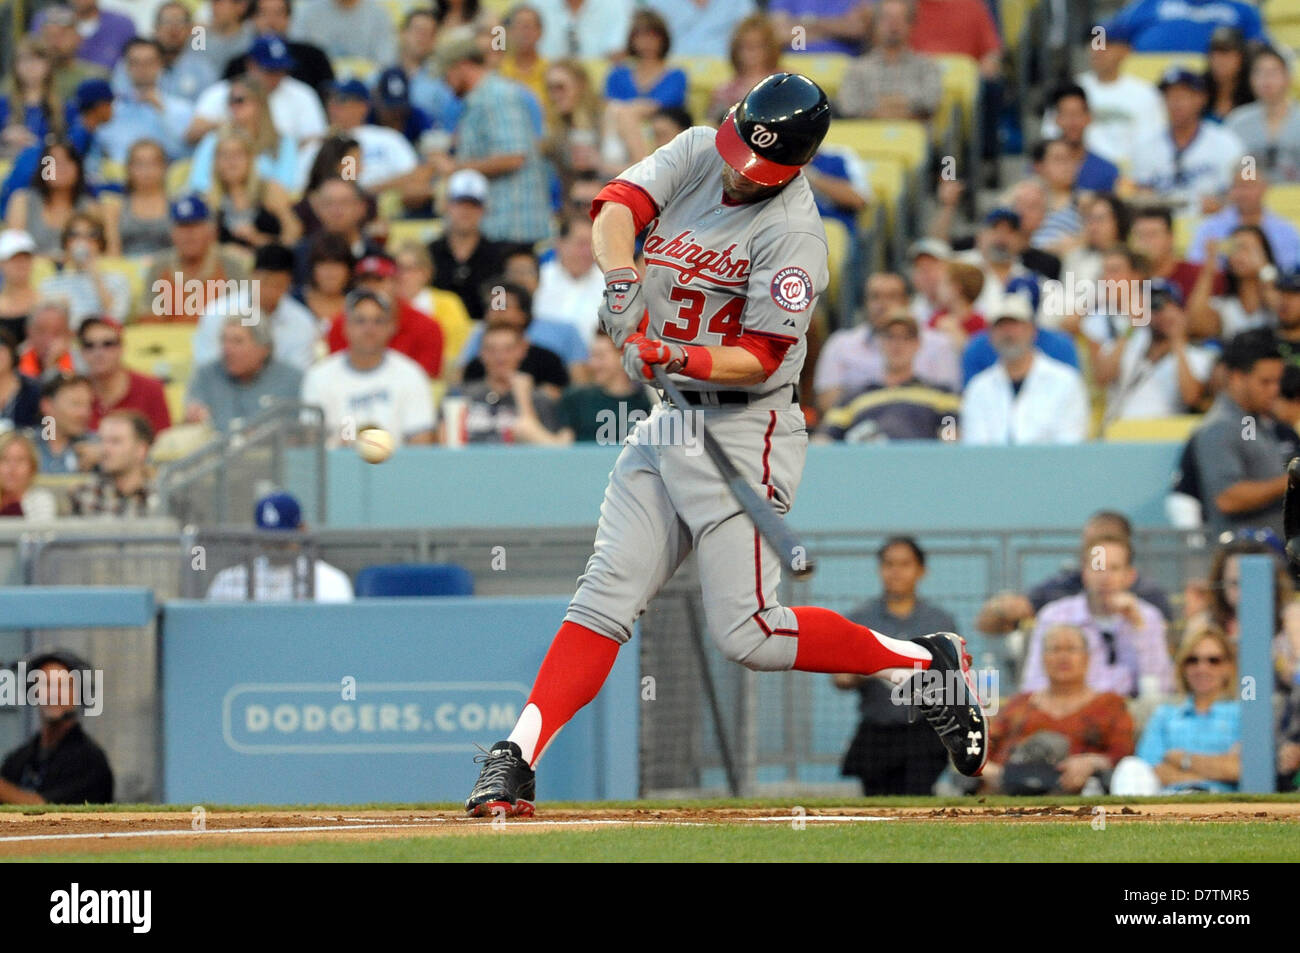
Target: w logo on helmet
x=761 y=137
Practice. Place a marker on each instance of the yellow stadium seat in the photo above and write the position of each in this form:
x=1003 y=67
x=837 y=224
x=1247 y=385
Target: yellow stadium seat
x=1151 y=66
x=1184 y=232
x=888 y=180
x=180 y=439
x=397 y=11
x=114 y=172
x=1285 y=34
x=174 y=391
x=178 y=176
x=837 y=251
x=1284 y=199
x=163 y=350
x=1279 y=12
x=961 y=86
x=134 y=271
x=42 y=268
x=1013 y=14
x=598 y=69
x=422 y=230
x=453 y=318
x=354 y=67
x=704 y=74
x=1153 y=429
x=825 y=69
x=904 y=140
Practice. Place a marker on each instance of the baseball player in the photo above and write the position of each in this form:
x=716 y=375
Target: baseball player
x=735 y=260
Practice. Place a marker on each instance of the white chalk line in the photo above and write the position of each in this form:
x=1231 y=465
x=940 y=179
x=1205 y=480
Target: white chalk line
x=431 y=823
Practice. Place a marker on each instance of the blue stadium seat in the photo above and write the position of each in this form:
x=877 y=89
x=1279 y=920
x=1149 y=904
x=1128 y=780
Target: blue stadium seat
x=414 y=579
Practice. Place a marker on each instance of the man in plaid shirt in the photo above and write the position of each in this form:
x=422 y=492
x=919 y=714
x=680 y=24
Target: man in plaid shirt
x=123 y=485
x=497 y=136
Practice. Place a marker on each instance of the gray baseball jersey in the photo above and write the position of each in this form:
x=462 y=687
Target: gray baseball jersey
x=717 y=273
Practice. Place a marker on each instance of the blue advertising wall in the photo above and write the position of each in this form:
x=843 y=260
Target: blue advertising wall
x=920 y=486
x=255 y=710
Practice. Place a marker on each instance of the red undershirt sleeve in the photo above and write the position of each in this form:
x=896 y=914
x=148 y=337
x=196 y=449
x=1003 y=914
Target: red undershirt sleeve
x=638 y=201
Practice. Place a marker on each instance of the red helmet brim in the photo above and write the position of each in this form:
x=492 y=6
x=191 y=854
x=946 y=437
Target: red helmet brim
x=737 y=154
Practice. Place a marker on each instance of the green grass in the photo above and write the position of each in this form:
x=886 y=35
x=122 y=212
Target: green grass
x=1046 y=841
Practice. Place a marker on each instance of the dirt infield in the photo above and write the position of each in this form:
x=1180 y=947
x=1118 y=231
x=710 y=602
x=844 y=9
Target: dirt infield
x=39 y=833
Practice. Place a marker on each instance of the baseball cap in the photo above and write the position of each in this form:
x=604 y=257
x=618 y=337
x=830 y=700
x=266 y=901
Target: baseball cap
x=392 y=89
x=278 y=511
x=1003 y=214
x=358 y=295
x=14 y=241
x=1015 y=306
x=1288 y=281
x=92 y=92
x=467 y=185
x=375 y=266
x=1163 y=291
x=929 y=246
x=1178 y=75
x=271 y=52
x=349 y=89
x=189 y=210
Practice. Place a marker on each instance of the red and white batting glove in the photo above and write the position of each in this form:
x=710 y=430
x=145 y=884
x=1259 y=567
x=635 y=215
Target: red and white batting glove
x=621 y=308
x=641 y=353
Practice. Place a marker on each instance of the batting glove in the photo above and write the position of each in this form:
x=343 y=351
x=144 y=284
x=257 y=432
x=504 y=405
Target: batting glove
x=621 y=309
x=641 y=353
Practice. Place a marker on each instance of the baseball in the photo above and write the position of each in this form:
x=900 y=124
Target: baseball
x=374 y=444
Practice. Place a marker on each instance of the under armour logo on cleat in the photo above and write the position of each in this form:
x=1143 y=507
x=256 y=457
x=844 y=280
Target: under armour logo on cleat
x=976 y=739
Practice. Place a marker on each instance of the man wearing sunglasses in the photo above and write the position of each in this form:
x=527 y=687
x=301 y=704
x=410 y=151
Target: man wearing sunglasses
x=117 y=387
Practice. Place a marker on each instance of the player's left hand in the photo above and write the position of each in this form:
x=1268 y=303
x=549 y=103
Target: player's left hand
x=641 y=353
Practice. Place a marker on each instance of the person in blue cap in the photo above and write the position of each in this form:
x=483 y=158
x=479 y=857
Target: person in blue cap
x=183 y=284
x=980 y=352
x=310 y=64
x=1158 y=26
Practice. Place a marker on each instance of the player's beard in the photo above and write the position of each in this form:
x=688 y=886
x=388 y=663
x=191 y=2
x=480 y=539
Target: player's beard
x=737 y=188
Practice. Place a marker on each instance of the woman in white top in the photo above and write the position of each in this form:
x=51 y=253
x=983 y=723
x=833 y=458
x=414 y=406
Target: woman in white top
x=1251 y=298
x=1270 y=126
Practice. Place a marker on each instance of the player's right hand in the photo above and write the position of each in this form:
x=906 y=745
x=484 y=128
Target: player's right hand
x=622 y=307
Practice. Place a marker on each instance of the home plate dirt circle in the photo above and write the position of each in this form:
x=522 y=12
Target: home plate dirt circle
x=36 y=833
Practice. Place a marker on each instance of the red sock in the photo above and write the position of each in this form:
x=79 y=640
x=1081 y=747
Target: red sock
x=576 y=665
x=828 y=642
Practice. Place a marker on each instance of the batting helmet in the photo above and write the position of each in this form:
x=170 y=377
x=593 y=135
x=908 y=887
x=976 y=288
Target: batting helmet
x=771 y=133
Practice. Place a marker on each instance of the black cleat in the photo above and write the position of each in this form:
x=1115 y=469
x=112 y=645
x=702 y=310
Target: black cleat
x=506 y=783
x=945 y=694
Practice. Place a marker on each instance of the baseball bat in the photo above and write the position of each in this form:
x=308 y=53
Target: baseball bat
x=793 y=553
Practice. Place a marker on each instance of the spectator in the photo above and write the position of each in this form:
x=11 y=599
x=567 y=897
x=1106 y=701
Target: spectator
x=1152 y=235
x=1026 y=397
x=495 y=136
x=450 y=14
x=1194 y=744
x=186 y=72
x=58 y=31
x=445 y=309
x=571 y=285
x=1094 y=726
x=1155 y=371
x=292 y=326
x=186 y=282
x=1246 y=207
x=522 y=63
x=115 y=386
x=1192 y=164
x=828 y=26
x=521 y=268
x=104 y=35
x=339 y=158
x=587 y=29
x=295 y=107
x=463 y=258
x=1250 y=299
x=428 y=93
x=387 y=158
x=124 y=481
x=643 y=83
x=1126 y=635
x=329 y=277
x=504 y=397
x=310 y=64
x=755 y=53
x=1120 y=306
x=89 y=289
x=1270 y=127
x=1069 y=123
x=250 y=112
x=1105 y=225
x=1055 y=163
x=703 y=27
x=1028 y=199
x=19 y=467
x=1227 y=81
x=56 y=192
x=251 y=211
x=998 y=246
x=981 y=354
x=369 y=384
x=929 y=259
x=1149 y=26
x=1222 y=595
x=47 y=350
x=1239 y=461
x=959 y=289
x=360 y=28
x=571 y=139
x=1287 y=333
x=891 y=82
x=63 y=438
x=17 y=294
x=61 y=764
x=30 y=112
x=414 y=335
x=340 y=208
x=606 y=410
x=902 y=407
x=666 y=124
x=142 y=110
x=279 y=516
x=1006 y=611
x=228 y=34
x=890 y=753
x=392 y=110
x=93 y=103
x=541 y=361
x=20 y=396
x=139 y=224
x=840 y=185
x=243 y=380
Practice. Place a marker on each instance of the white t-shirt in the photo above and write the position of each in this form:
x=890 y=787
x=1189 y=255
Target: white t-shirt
x=294 y=331
x=281 y=583
x=1123 y=112
x=395 y=396
x=1235 y=319
x=385 y=154
x=1144 y=389
x=295 y=108
x=561 y=297
x=1052 y=406
x=1206 y=167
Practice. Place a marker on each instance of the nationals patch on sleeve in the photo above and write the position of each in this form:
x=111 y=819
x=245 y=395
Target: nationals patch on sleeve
x=792 y=289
